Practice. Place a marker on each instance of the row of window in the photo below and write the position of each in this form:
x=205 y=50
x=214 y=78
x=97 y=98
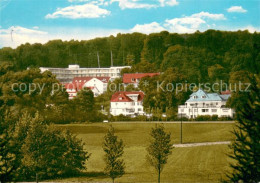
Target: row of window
x=196 y=104
x=195 y=97
x=203 y=110
x=133 y=103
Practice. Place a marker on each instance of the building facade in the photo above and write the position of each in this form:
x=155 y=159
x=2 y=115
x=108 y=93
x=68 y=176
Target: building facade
x=66 y=75
x=127 y=104
x=202 y=103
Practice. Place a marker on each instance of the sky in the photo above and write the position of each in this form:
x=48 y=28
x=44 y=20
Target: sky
x=33 y=21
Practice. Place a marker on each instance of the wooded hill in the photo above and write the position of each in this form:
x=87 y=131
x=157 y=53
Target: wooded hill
x=201 y=56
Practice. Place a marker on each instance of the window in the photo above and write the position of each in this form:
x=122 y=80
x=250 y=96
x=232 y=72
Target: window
x=182 y=110
x=139 y=109
x=195 y=110
x=133 y=79
x=213 y=110
x=216 y=103
x=205 y=110
x=195 y=97
x=203 y=96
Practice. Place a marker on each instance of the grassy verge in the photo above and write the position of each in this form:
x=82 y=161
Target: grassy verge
x=191 y=164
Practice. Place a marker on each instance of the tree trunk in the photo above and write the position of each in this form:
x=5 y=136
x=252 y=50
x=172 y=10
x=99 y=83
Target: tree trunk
x=159 y=176
x=113 y=180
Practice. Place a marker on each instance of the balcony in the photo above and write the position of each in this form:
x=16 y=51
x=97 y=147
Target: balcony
x=199 y=106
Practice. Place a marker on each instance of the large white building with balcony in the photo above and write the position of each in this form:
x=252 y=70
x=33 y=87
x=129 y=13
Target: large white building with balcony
x=127 y=104
x=202 y=103
x=66 y=75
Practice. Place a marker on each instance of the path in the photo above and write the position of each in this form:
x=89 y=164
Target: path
x=202 y=144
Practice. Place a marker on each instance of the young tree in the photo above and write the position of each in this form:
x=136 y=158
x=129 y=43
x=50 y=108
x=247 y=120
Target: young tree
x=246 y=148
x=114 y=149
x=159 y=149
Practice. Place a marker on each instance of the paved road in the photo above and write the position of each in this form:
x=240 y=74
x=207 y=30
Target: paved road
x=176 y=122
x=202 y=144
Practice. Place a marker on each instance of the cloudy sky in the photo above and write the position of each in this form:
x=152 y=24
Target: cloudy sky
x=33 y=21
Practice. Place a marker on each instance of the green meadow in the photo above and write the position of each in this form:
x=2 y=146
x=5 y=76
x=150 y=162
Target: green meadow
x=186 y=164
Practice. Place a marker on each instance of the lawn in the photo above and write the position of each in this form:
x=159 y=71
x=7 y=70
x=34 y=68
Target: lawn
x=189 y=164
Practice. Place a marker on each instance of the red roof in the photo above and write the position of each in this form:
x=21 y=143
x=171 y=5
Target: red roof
x=132 y=78
x=69 y=86
x=76 y=86
x=124 y=96
x=81 y=79
x=86 y=79
x=227 y=92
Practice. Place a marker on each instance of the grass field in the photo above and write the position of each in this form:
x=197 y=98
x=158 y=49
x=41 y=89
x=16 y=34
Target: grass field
x=189 y=164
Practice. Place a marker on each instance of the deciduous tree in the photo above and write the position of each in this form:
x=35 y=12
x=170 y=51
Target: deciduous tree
x=159 y=149
x=114 y=149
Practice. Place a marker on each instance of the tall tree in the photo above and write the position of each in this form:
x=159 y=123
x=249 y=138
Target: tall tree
x=159 y=149
x=246 y=148
x=114 y=150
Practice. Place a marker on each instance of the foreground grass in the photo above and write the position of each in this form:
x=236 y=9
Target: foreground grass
x=191 y=164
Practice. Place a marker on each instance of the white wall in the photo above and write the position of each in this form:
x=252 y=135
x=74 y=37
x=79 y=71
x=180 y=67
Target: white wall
x=126 y=108
x=191 y=110
x=94 y=82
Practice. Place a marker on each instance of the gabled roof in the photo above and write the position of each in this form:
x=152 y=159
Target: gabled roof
x=76 y=86
x=201 y=95
x=86 y=79
x=70 y=86
x=81 y=79
x=132 y=78
x=124 y=96
x=227 y=92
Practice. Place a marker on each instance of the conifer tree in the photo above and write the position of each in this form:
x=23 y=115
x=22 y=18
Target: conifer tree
x=246 y=148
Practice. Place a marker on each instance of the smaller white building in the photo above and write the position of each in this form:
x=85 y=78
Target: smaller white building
x=98 y=85
x=127 y=104
x=202 y=103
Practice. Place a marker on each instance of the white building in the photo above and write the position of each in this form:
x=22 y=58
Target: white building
x=98 y=85
x=127 y=104
x=202 y=103
x=66 y=75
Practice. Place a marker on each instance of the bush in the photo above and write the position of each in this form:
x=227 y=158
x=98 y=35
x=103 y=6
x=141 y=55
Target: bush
x=203 y=118
x=214 y=117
